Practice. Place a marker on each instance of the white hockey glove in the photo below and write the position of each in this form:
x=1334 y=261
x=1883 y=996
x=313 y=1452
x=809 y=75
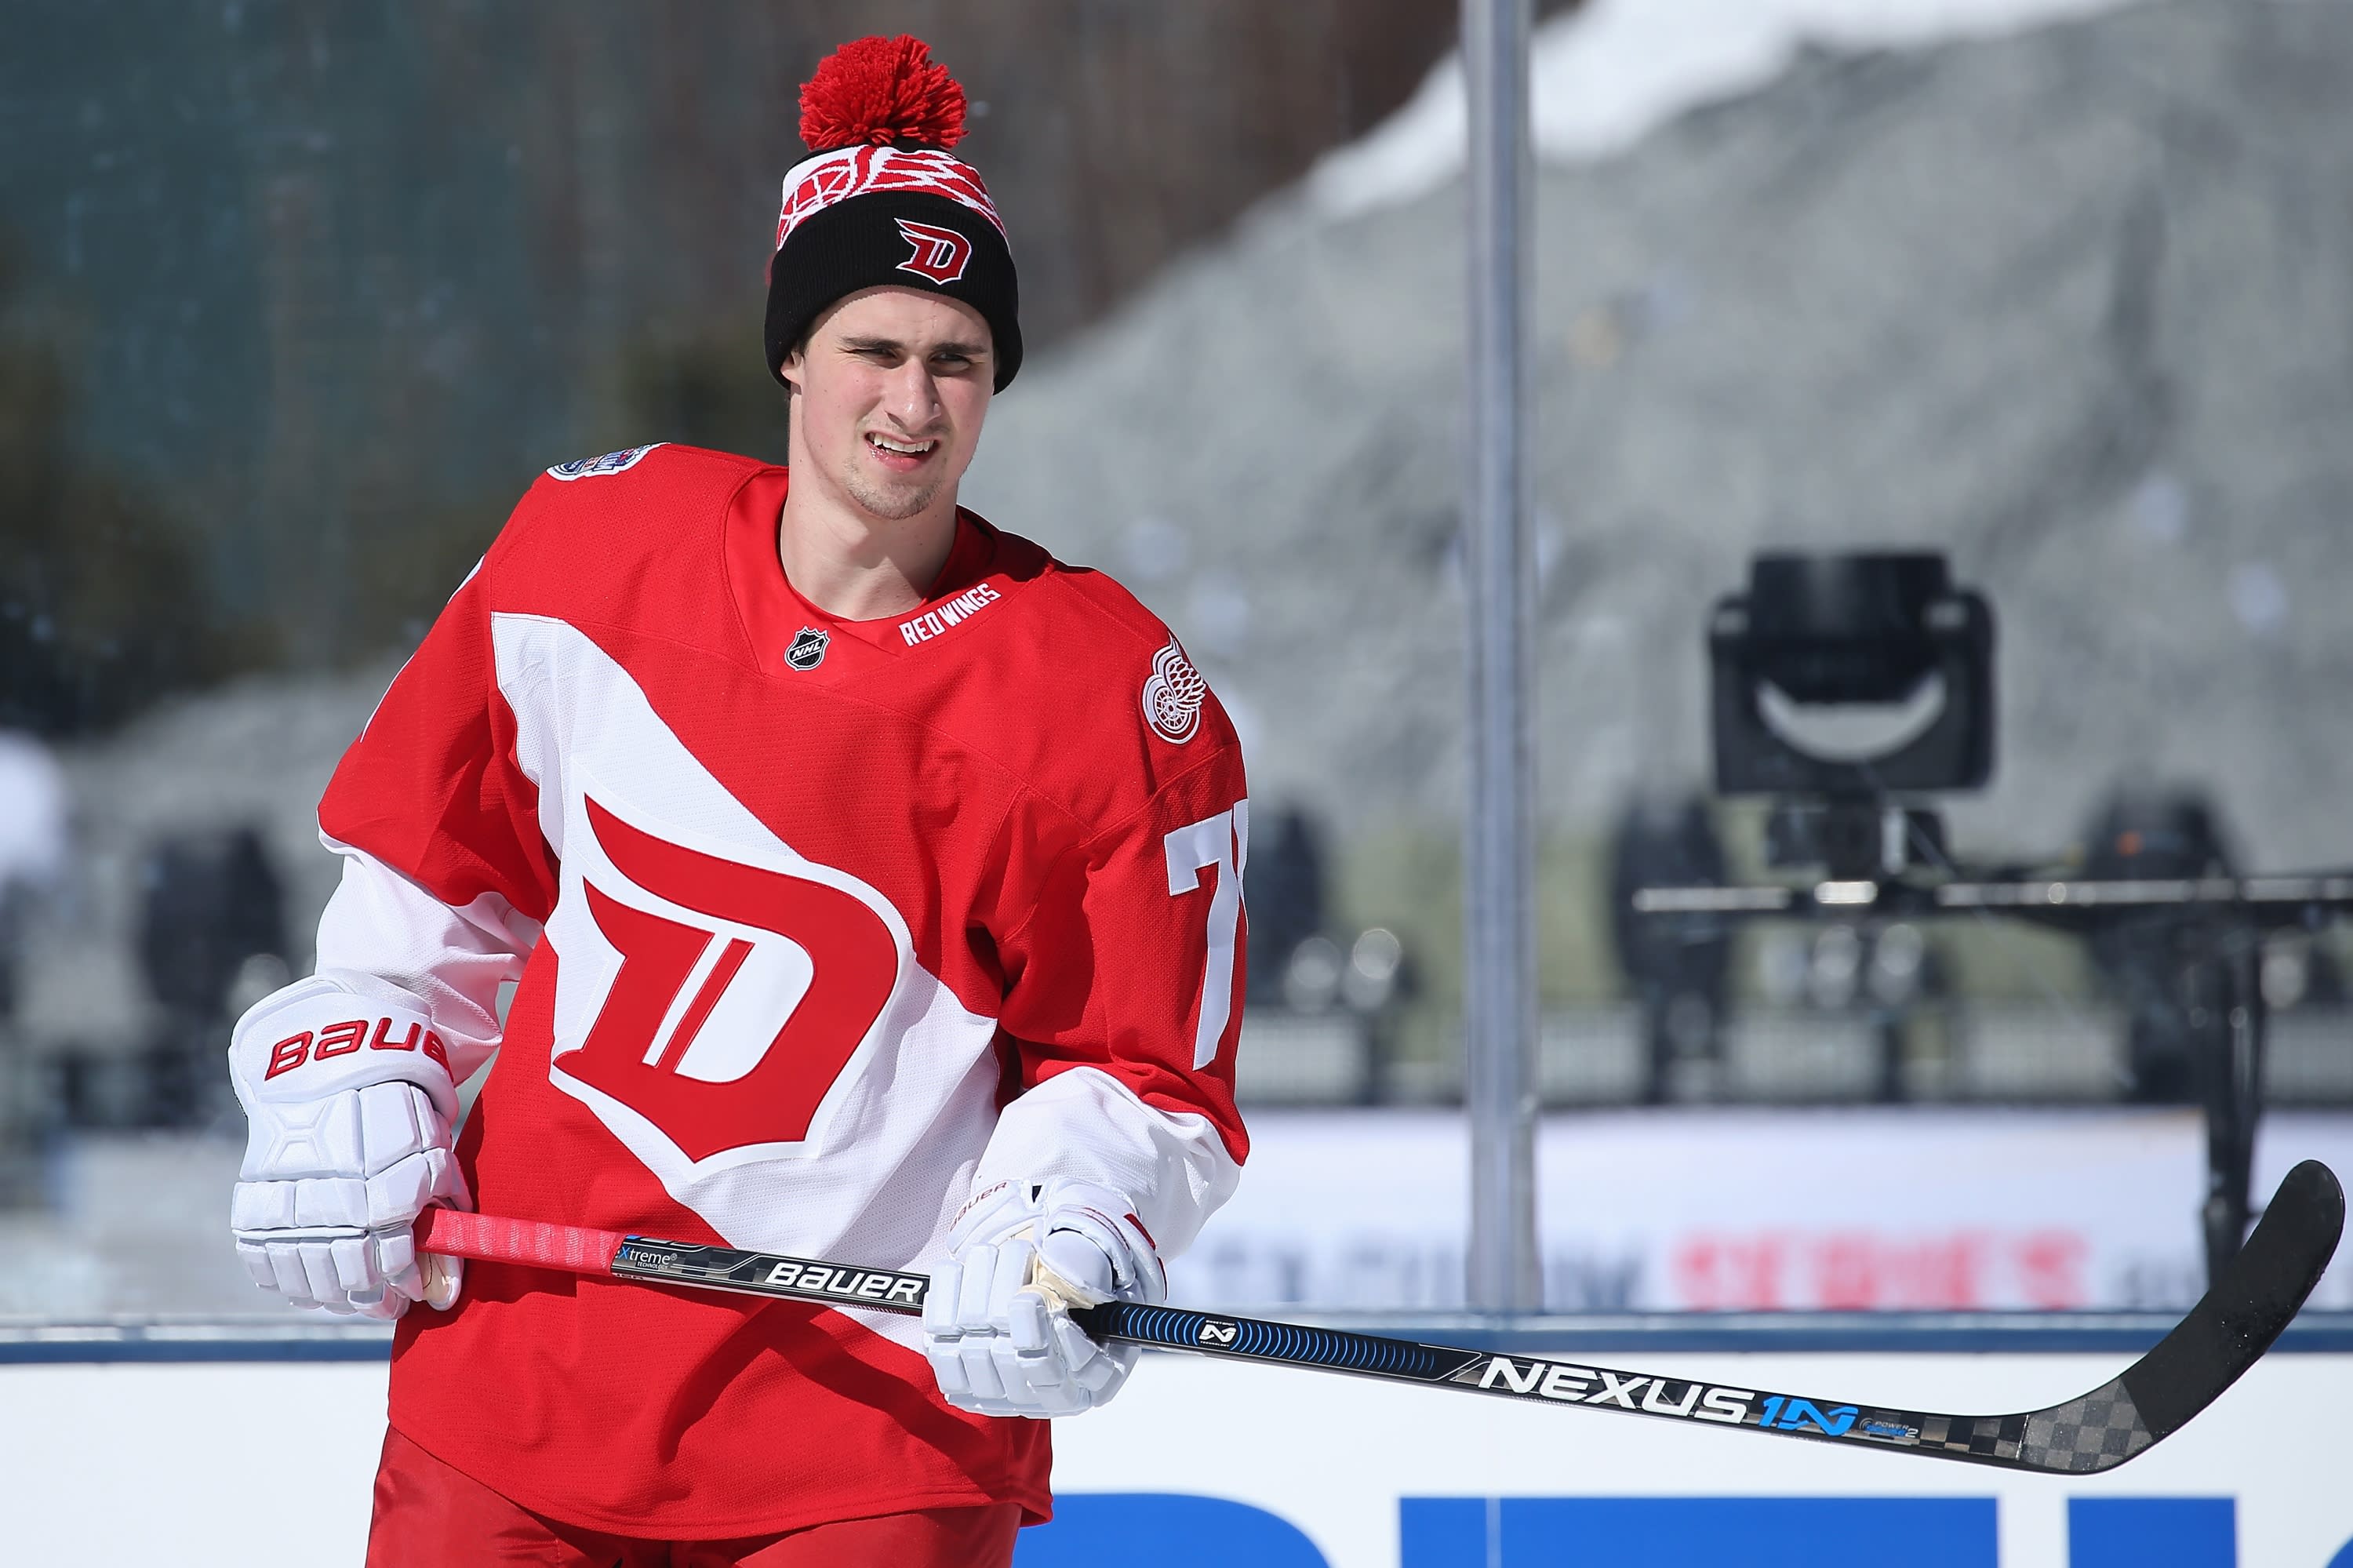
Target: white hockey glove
x=997 y=1325
x=349 y=1104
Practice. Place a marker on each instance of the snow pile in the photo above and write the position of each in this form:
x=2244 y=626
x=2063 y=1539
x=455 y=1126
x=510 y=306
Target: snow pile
x=1605 y=76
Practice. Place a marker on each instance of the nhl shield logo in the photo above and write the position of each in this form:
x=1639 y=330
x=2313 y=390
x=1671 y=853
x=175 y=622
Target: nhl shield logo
x=807 y=651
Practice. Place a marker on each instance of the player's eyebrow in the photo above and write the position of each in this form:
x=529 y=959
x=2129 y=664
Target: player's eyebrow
x=892 y=345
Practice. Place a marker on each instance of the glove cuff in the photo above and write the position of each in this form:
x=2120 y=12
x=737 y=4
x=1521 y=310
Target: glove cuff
x=316 y=1038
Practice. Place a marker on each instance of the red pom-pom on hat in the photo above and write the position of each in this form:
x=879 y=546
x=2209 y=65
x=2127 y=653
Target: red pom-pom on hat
x=881 y=91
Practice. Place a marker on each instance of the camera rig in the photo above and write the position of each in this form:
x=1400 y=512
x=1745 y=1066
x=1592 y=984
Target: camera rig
x=1850 y=689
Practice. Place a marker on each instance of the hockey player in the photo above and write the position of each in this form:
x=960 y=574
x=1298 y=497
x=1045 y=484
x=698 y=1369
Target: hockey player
x=873 y=883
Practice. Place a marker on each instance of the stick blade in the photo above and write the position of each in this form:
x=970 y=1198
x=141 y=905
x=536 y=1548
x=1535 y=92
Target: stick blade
x=2227 y=1332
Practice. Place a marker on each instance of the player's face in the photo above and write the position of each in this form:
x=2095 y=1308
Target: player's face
x=894 y=384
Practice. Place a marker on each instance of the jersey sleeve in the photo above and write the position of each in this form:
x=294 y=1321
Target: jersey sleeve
x=447 y=877
x=431 y=789
x=1123 y=1005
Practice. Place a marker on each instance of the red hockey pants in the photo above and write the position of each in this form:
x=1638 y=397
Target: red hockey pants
x=426 y=1513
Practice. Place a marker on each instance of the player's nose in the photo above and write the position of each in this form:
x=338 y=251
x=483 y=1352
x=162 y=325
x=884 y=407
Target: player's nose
x=914 y=398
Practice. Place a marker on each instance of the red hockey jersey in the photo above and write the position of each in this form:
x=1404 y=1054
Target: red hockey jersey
x=839 y=920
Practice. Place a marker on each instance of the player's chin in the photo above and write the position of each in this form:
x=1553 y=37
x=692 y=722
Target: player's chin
x=895 y=499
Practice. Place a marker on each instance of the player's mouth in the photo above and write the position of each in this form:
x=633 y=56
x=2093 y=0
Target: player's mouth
x=900 y=456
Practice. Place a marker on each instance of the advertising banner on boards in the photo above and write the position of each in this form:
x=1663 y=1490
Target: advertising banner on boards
x=1853 y=1209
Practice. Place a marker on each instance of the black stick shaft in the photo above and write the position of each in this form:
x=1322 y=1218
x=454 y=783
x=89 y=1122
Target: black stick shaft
x=2224 y=1334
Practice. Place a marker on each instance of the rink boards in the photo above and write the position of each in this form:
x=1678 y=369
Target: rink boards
x=147 y=1444
x=1751 y=1210
x=137 y=1455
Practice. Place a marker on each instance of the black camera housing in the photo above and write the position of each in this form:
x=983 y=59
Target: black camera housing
x=1868 y=627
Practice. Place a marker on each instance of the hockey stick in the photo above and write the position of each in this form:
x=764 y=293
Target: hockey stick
x=2188 y=1369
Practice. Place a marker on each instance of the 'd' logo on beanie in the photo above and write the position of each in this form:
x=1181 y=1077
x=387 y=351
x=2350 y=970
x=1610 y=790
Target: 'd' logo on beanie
x=940 y=254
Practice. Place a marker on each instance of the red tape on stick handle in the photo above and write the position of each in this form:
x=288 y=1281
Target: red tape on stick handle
x=494 y=1238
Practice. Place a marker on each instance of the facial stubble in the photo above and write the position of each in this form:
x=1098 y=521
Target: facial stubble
x=894 y=503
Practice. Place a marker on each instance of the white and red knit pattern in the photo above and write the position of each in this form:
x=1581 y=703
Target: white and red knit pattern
x=836 y=176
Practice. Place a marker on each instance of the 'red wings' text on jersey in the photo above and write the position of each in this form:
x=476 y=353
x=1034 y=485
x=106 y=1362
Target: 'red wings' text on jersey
x=824 y=944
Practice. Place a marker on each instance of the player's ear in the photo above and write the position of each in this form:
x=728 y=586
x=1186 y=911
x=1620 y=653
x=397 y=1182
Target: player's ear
x=794 y=362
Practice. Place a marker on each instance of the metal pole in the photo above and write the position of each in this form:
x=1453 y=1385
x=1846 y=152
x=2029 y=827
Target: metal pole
x=1499 y=911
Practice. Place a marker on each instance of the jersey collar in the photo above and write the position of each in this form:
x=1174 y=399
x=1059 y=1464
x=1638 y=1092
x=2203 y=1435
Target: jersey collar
x=778 y=620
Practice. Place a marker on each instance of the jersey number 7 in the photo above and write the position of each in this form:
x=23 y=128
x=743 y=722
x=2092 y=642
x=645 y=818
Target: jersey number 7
x=1222 y=843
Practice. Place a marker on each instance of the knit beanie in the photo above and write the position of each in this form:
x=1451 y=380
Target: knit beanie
x=882 y=200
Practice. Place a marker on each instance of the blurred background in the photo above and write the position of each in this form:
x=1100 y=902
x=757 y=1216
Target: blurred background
x=296 y=301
